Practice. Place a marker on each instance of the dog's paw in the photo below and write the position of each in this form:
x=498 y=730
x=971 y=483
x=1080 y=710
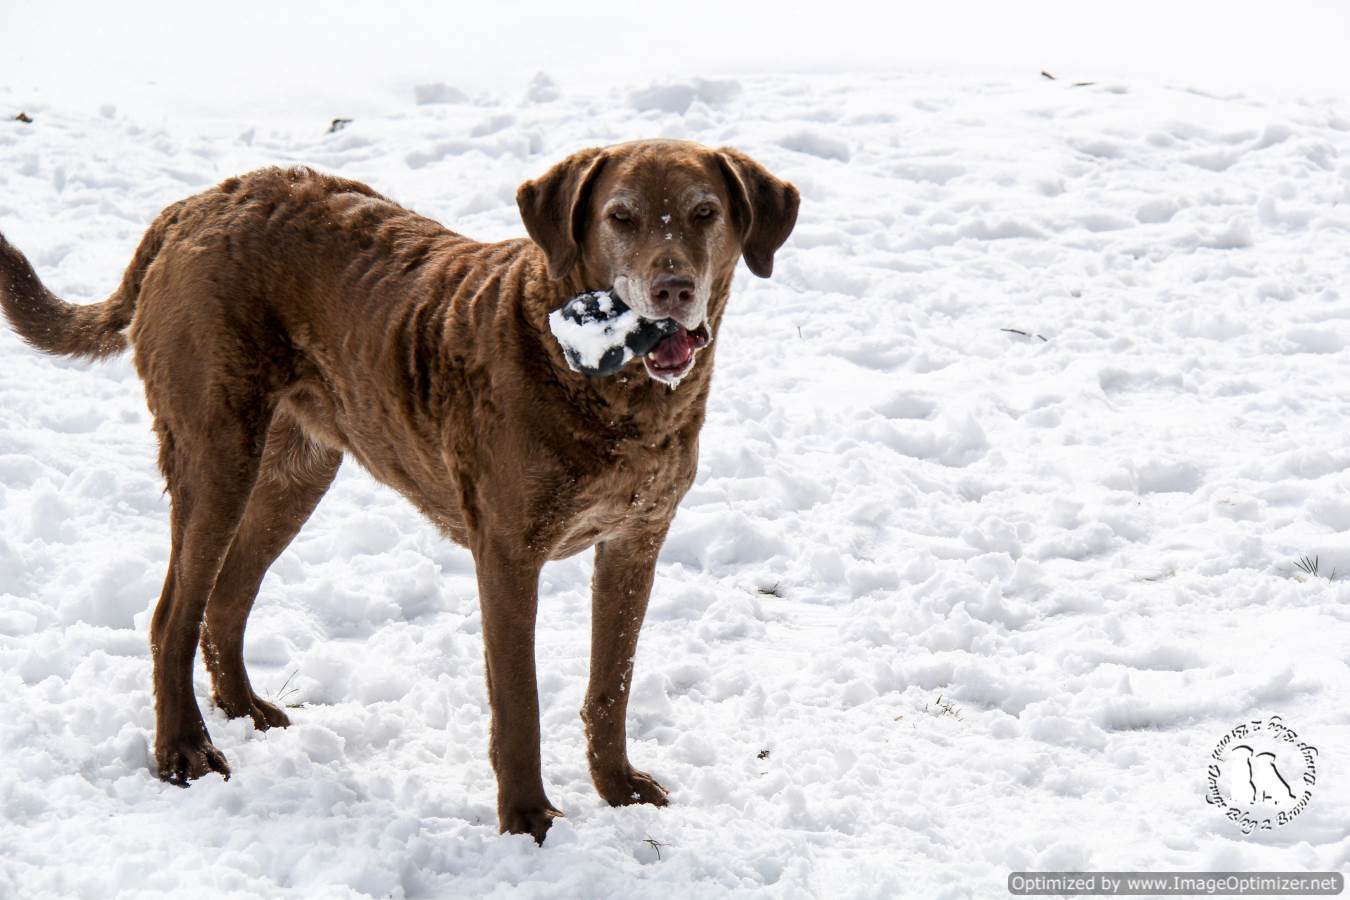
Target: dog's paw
x=534 y=821
x=188 y=759
x=632 y=786
x=264 y=715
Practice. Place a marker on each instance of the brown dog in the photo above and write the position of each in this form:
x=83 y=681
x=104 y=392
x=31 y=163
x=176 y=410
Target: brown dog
x=285 y=318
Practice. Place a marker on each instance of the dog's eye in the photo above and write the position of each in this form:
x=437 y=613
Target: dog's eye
x=704 y=214
x=621 y=215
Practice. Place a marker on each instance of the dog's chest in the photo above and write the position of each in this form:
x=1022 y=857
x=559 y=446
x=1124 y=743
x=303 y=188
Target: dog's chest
x=636 y=489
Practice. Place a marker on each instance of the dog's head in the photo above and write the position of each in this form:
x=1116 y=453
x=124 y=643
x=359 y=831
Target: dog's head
x=662 y=223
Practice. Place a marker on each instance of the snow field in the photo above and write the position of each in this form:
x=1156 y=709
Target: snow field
x=1004 y=477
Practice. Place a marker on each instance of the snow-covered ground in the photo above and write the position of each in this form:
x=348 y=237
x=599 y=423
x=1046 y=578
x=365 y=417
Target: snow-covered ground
x=1004 y=479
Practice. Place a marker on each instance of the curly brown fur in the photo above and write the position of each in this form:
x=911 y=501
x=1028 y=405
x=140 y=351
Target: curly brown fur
x=286 y=318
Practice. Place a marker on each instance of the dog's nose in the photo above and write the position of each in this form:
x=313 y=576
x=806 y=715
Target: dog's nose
x=672 y=290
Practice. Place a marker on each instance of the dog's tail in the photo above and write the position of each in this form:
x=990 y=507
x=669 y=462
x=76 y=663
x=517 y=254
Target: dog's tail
x=50 y=324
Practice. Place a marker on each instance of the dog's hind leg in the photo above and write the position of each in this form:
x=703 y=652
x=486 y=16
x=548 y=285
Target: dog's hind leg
x=294 y=476
x=210 y=465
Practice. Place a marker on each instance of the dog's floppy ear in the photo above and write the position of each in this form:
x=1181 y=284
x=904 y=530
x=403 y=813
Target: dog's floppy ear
x=554 y=207
x=763 y=207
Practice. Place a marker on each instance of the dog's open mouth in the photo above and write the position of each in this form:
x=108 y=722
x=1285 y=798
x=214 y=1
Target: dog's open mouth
x=674 y=355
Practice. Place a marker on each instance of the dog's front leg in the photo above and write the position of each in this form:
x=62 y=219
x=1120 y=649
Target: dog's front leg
x=508 y=592
x=624 y=569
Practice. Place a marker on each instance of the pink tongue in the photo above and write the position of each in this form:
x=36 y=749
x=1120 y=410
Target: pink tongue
x=675 y=351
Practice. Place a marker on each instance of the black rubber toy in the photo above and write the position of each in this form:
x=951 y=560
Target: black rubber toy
x=610 y=324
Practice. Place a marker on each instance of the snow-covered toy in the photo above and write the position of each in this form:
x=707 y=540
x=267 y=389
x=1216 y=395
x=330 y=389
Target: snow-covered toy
x=599 y=333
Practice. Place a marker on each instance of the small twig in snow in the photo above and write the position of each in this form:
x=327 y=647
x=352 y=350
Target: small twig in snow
x=1025 y=334
x=281 y=694
x=1308 y=565
x=944 y=708
x=1312 y=566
